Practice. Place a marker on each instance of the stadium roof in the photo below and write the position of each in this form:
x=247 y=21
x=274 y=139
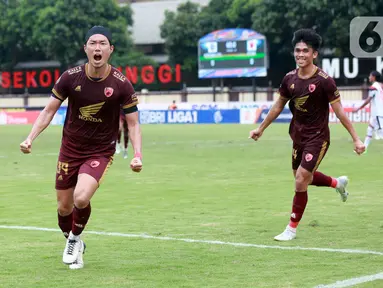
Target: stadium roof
x=148 y=17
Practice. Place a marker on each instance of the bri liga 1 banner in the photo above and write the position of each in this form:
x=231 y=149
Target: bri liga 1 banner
x=257 y=115
x=189 y=116
x=201 y=113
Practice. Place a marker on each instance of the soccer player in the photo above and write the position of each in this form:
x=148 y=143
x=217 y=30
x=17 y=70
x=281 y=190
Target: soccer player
x=123 y=129
x=309 y=91
x=96 y=92
x=375 y=97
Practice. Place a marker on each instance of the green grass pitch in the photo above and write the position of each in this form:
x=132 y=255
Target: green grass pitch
x=201 y=182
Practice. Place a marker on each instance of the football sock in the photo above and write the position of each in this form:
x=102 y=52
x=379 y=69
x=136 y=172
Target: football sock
x=65 y=223
x=367 y=140
x=299 y=205
x=80 y=218
x=319 y=179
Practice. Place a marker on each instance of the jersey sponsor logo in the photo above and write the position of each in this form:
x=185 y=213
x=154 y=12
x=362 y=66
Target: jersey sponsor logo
x=74 y=70
x=309 y=157
x=336 y=93
x=134 y=98
x=299 y=102
x=292 y=86
x=78 y=88
x=94 y=164
x=108 y=91
x=87 y=112
x=312 y=87
x=119 y=76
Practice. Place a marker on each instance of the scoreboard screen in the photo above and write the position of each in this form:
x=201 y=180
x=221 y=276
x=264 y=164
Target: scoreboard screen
x=232 y=53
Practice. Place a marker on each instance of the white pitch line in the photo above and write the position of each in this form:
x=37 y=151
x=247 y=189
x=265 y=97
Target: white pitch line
x=212 y=242
x=353 y=281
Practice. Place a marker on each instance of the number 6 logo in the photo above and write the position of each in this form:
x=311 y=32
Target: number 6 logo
x=366 y=36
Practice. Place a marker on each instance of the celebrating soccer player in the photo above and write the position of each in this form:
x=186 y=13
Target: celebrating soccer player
x=309 y=91
x=375 y=96
x=96 y=92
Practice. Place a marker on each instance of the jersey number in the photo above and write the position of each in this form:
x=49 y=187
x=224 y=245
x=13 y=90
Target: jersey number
x=62 y=166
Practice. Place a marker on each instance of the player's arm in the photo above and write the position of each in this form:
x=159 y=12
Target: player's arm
x=333 y=97
x=129 y=105
x=278 y=105
x=365 y=103
x=134 y=131
x=274 y=112
x=339 y=112
x=371 y=95
x=44 y=118
x=59 y=94
x=42 y=122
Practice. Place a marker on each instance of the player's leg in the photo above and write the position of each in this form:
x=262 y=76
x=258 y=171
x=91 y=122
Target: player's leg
x=85 y=189
x=118 y=142
x=89 y=179
x=370 y=130
x=126 y=139
x=305 y=175
x=290 y=233
x=65 y=210
x=322 y=180
x=303 y=178
x=66 y=179
x=379 y=128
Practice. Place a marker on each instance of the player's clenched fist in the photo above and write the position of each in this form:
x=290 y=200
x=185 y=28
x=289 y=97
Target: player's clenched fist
x=359 y=147
x=26 y=146
x=255 y=134
x=136 y=163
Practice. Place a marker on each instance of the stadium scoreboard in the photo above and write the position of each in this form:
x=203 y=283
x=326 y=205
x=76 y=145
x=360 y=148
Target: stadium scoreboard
x=232 y=53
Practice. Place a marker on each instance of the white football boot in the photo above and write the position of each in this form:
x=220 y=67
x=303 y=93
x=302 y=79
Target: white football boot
x=79 y=263
x=287 y=235
x=341 y=187
x=72 y=248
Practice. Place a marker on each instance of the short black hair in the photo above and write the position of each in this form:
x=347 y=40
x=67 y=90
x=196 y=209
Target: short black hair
x=308 y=36
x=377 y=75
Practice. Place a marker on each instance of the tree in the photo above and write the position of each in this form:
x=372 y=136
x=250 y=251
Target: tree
x=55 y=30
x=60 y=28
x=241 y=11
x=214 y=16
x=278 y=19
x=181 y=31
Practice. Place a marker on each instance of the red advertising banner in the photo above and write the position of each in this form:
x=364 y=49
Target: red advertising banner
x=46 y=78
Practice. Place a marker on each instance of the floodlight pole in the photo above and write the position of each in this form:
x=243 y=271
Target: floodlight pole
x=254 y=89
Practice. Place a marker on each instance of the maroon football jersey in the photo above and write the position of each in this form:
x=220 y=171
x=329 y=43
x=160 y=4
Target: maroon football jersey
x=94 y=107
x=309 y=103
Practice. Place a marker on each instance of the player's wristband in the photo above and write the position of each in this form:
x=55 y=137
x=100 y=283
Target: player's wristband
x=137 y=155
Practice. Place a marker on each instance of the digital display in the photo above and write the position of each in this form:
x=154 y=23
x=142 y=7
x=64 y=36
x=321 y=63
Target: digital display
x=240 y=56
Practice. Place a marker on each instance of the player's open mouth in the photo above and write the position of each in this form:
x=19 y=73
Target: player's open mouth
x=97 y=57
